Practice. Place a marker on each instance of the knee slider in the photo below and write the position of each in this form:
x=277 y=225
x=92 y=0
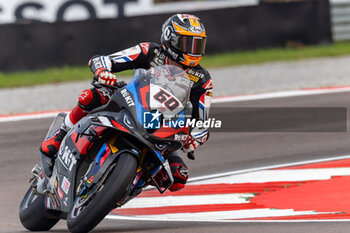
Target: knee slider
x=85 y=97
x=89 y=99
x=178 y=169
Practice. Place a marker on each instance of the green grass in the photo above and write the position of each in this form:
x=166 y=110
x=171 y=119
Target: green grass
x=69 y=74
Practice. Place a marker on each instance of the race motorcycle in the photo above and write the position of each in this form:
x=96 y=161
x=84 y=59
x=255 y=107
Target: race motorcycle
x=112 y=154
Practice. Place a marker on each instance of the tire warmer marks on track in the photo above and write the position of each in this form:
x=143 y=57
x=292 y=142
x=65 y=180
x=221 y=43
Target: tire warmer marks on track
x=315 y=191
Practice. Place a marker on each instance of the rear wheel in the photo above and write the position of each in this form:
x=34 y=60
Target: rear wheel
x=84 y=217
x=33 y=214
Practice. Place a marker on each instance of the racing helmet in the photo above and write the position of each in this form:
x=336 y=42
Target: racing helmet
x=184 y=38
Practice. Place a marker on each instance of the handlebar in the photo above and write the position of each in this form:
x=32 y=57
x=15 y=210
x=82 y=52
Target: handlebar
x=118 y=84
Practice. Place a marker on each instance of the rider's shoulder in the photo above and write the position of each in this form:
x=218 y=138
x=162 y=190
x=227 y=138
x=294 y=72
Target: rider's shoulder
x=204 y=71
x=198 y=75
x=147 y=47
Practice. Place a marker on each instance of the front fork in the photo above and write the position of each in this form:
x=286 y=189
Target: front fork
x=166 y=168
x=138 y=183
x=40 y=186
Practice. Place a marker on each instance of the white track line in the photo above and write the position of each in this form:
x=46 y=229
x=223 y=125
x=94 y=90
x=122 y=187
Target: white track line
x=218 y=175
x=119 y=217
x=283 y=175
x=282 y=94
x=149 y=202
x=225 y=99
x=30 y=116
x=235 y=214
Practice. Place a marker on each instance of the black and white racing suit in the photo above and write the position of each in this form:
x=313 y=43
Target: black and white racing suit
x=147 y=55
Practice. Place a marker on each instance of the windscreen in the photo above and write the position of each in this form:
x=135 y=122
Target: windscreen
x=169 y=89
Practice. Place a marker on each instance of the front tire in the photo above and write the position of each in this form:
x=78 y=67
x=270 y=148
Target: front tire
x=84 y=219
x=33 y=213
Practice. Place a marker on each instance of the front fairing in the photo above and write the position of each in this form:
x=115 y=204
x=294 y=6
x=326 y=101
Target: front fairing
x=161 y=96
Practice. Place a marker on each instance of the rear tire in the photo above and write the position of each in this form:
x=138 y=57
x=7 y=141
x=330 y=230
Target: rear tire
x=85 y=218
x=33 y=214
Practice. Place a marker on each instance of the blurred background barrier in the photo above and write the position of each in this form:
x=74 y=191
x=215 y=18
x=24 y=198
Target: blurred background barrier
x=38 y=34
x=340 y=18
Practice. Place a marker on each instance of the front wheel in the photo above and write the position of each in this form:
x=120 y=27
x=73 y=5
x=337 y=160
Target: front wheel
x=33 y=214
x=83 y=218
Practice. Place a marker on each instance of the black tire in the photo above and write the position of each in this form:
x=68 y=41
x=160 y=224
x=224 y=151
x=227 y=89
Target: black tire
x=85 y=219
x=33 y=214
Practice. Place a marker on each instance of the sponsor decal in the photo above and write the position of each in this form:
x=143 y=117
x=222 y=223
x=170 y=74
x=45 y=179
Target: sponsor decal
x=59 y=10
x=172 y=53
x=167 y=33
x=145 y=47
x=97 y=63
x=195 y=73
x=60 y=193
x=65 y=202
x=183 y=171
x=197 y=30
x=91 y=179
x=84 y=94
x=65 y=185
x=193 y=78
x=158 y=59
x=77 y=10
x=67 y=158
x=127 y=97
x=180 y=137
x=105 y=92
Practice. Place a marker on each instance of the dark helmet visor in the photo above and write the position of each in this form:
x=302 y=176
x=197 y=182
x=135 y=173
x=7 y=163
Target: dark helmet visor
x=191 y=44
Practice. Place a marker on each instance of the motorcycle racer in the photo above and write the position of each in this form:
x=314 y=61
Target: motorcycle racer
x=183 y=43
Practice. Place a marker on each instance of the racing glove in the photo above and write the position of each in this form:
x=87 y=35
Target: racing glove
x=105 y=77
x=191 y=145
x=195 y=139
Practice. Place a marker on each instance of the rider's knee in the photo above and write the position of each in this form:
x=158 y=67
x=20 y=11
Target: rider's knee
x=90 y=99
x=179 y=171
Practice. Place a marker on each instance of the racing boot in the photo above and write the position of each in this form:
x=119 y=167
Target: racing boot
x=50 y=146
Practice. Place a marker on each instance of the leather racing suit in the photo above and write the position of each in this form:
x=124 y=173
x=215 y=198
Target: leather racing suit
x=147 y=55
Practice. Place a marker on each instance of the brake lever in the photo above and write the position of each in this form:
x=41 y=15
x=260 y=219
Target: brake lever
x=118 y=85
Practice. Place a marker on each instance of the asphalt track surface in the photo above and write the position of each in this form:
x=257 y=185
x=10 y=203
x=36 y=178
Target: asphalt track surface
x=223 y=152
